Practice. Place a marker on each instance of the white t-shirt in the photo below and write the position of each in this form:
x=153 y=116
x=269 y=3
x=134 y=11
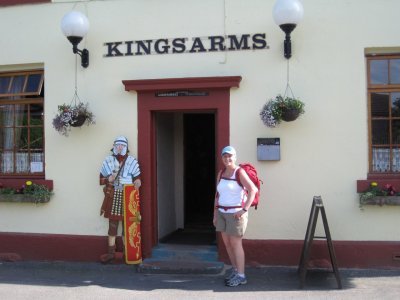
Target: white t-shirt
x=230 y=194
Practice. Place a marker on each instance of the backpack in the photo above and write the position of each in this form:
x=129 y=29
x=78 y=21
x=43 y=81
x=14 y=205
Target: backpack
x=252 y=173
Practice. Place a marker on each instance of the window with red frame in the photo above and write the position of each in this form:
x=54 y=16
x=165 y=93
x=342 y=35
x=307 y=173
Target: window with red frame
x=21 y=2
x=22 y=124
x=384 y=113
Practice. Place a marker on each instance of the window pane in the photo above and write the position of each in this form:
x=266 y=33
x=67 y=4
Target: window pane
x=395 y=104
x=21 y=115
x=33 y=83
x=36 y=114
x=4 y=83
x=394 y=71
x=17 y=84
x=37 y=156
x=36 y=138
x=396 y=160
x=22 y=162
x=2 y=135
x=7 y=115
x=21 y=138
x=379 y=71
x=396 y=132
x=380 y=159
x=7 y=162
x=380 y=132
x=37 y=162
x=380 y=104
x=8 y=139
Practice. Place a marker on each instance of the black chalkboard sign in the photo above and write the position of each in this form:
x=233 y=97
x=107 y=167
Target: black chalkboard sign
x=316 y=207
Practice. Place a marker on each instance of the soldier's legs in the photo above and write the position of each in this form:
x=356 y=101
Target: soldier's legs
x=112 y=233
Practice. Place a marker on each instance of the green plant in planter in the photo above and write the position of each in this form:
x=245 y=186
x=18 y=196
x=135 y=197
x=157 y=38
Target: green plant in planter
x=281 y=109
x=40 y=193
x=375 y=190
x=7 y=191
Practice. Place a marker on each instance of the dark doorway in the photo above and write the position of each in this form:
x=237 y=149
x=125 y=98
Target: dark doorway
x=199 y=169
x=199 y=181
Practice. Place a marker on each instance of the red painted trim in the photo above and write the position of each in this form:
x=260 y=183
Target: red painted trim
x=21 y=2
x=30 y=246
x=182 y=83
x=349 y=254
x=217 y=101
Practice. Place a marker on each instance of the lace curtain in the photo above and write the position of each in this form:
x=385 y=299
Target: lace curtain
x=381 y=160
x=23 y=163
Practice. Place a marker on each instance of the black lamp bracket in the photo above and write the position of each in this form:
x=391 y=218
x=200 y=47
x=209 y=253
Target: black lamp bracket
x=84 y=54
x=287 y=45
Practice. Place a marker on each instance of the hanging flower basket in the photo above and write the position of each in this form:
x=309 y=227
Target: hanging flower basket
x=290 y=114
x=281 y=109
x=73 y=115
x=78 y=121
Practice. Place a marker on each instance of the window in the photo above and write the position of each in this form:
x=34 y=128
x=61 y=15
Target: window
x=384 y=113
x=21 y=124
x=21 y=2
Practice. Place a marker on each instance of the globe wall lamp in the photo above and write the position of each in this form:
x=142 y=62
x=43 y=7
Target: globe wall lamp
x=75 y=26
x=287 y=14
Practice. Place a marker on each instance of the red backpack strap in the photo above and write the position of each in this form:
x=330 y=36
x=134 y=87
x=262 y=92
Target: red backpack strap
x=237 y=179
x=220 y=175
x=237 y=176
x=218 y=180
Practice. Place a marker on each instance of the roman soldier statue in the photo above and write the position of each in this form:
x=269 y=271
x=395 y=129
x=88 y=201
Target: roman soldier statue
x=117 y=170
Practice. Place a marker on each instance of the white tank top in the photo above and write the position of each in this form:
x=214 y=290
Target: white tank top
x=230 y=194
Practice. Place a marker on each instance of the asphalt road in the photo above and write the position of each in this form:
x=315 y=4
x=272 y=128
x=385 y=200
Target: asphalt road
x=61 y=280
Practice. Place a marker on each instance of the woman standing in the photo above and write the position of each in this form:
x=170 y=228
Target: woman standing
x=230 y=213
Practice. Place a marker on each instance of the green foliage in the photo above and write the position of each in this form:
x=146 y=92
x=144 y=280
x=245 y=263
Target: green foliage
x=375 y=190
x=38 y=191
x=7 y=191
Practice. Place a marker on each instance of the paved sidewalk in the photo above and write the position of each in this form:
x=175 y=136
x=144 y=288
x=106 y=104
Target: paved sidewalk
x=66 y=280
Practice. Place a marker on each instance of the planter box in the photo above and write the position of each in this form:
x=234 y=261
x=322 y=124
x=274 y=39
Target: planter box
x=382 y=200
x=22 y=198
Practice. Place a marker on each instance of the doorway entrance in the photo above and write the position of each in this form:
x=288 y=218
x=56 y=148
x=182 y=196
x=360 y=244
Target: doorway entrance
x=173 y=95
x=199 y=158
x=186 y=177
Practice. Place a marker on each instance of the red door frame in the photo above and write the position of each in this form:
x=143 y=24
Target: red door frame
x=216 y=101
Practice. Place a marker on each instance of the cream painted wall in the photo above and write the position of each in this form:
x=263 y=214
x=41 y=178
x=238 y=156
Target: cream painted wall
x=323 y=153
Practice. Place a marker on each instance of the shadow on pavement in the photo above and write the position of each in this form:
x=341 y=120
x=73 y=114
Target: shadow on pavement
x=67 y=274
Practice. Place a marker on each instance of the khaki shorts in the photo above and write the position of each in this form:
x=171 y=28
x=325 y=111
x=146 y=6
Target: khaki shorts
x=227 y=223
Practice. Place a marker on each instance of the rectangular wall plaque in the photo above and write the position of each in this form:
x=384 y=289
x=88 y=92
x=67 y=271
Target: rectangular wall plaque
x=181 y=93
x=268 y=148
